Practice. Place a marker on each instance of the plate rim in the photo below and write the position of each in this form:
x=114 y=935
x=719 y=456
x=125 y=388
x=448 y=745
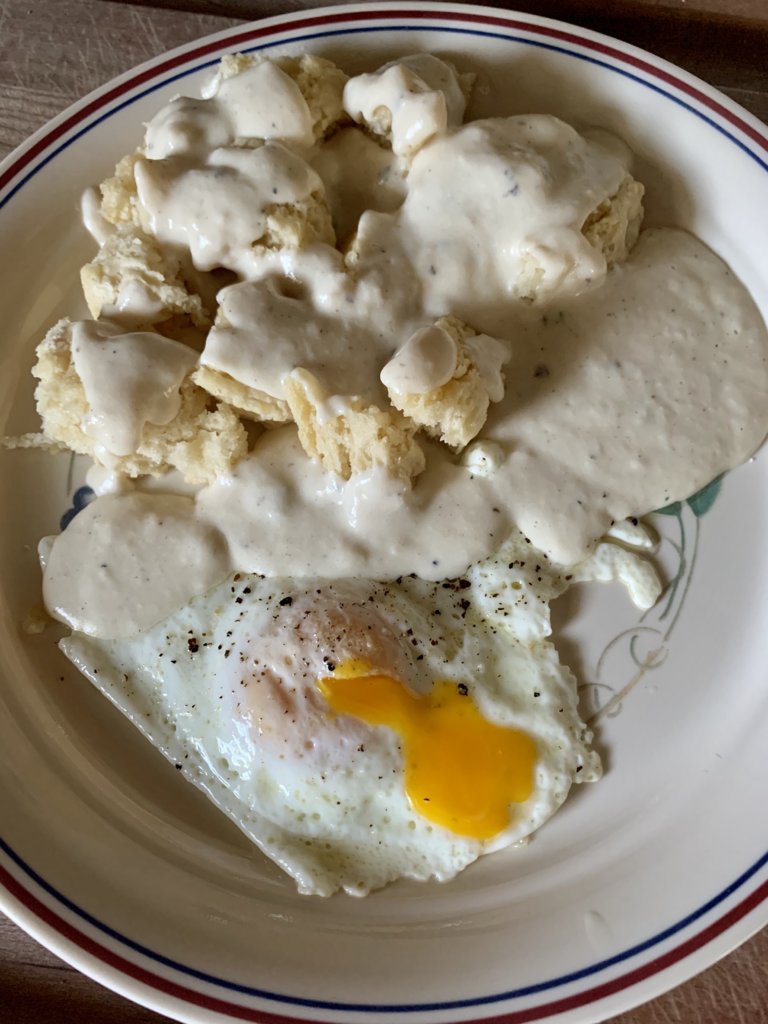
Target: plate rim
x=741 y=921
x=103 y=965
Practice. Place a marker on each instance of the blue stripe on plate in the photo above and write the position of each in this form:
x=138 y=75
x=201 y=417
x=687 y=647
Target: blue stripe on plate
x=400 y=28
x=518 y=993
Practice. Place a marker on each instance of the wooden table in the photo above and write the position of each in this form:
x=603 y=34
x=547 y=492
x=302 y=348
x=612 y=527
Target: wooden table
x=53 y=53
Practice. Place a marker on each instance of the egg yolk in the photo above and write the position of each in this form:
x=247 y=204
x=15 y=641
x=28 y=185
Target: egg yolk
x=461 y=771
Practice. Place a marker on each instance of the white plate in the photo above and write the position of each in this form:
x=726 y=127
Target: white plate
x=123 y=870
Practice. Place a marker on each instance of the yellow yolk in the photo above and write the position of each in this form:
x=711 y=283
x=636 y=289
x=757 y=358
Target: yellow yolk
x=461 y=771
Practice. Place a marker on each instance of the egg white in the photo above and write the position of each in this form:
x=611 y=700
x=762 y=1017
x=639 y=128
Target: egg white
x=226 y=689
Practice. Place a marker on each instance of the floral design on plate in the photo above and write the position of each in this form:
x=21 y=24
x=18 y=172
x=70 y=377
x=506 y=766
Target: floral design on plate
x=647 y=640
x=83 y=496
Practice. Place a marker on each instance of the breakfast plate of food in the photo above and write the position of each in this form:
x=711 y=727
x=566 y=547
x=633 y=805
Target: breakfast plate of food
x=383 y=395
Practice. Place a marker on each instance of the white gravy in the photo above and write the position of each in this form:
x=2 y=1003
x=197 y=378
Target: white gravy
x=262 y=102
x=625 y=390
x=358 y=175
x=608 y=398
x=415 y=99
x=128 y=561
x=493 y=216
x=415 y=113
x=219 y=211
x=426 y=361
x=129 y=380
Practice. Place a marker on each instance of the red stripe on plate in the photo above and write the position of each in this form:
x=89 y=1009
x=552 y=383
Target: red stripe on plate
x=214 y=1004
x=131 y=970
x=48 y=916
x=359 y=16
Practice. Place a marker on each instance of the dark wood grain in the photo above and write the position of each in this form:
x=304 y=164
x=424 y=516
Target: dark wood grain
x=724 y=42
x=46 y=62
x=37 y=988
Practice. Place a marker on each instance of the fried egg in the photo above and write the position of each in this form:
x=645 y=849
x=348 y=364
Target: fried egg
x=362 y=732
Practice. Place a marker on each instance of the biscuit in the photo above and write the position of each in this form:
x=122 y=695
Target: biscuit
x=202 y=441
x=118 y=193
x=354 y=436
x=612 y=228
x=455 y=411
x=297 y=225
x=247 y=401
x=614 y=225
x=132 y=279
x=418 y=96
x=320 y=82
